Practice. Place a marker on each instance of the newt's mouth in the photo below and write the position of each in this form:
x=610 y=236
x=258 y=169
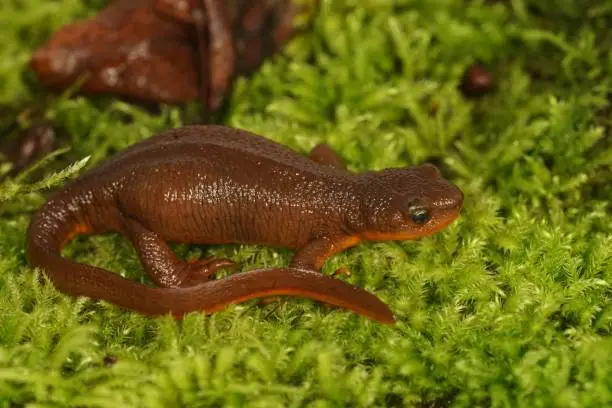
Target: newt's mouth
x=445 y=221
x=409 y=235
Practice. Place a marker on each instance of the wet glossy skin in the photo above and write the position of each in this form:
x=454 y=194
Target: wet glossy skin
x=214 y=185
x=165 y=51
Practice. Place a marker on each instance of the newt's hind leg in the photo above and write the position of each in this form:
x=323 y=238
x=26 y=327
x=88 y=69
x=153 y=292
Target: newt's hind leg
x=325 y=155
x=162 y=264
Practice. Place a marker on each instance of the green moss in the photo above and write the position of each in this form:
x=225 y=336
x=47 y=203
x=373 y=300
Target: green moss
x=509 y=306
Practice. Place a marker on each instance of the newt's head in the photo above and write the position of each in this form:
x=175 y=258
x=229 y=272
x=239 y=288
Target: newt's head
x=407 y=203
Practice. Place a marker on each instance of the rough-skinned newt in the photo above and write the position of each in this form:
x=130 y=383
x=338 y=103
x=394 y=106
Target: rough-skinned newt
x=217 y=185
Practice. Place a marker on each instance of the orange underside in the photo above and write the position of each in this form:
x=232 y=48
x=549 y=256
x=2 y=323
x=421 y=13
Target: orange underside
x=404 y=236
x=78 y=229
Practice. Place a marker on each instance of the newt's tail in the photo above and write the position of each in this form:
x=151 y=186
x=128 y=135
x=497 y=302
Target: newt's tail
x=44 y=251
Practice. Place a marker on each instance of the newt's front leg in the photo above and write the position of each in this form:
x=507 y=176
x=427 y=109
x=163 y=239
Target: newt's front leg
x=314 y=254
x=162 y=264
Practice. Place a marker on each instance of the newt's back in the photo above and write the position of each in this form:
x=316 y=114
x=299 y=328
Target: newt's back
x=226 y=149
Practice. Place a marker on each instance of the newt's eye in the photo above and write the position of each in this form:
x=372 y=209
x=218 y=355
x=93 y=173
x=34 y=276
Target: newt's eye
x=419 y=215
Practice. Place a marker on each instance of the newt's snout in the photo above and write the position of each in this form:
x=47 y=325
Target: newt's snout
x=452 y=200
x=443 y=194
x=446 y=205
